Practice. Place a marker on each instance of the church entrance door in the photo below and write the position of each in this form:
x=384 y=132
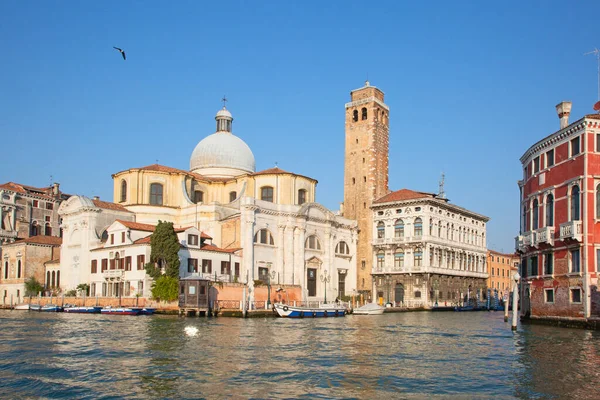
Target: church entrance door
x=311 y=281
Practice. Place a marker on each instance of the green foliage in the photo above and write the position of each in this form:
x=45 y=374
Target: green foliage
x=165 y=288
x=164 y=252
x=258 y=282
x=33 y=287
x=71 y=293
x=85 y=288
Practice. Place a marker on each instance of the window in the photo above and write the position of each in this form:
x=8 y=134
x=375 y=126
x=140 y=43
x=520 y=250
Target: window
x=48 y=230
x=112 y=238
x=353 y=181
x=430 y=226
x=575 y=295
x=35 y=204
x=263 y=273
x=597 y=260
x=355 y=115
x=364 y=179
x=57 y=279
x=198 y=196
x=206 y=266
x=34 y=229
x=5 y=269
x=380 y=230
x=193 y=240
x=533 y=266
x=301 y=196
x=598 y=202
x=575 y=148
x=18 y=268
x=122 y=237
x=418 y=257
x=418 y=226
x=232 y=196
x=266 y=193
x=141 y=260
x=399 y=228
x=104 y=265
x=550 y=158
x=399 y=259
x=49 y=206
x=123 y=190
x=575 y=203
x=264 y=237
x=417 y=294
x=237 y=269
x=192 y=265
x=380 y=260
x=548 y=264
x=535 y=213
x=363 y=113
x=536 y=165
x=313 y=243
x=156 y=194
x=550 y=210
x=128 y=263
x=575 y=261
x=94 y=266
x=342 y=248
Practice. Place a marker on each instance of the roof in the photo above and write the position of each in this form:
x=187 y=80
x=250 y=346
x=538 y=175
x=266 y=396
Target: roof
x=171 y=170
x=15 y=187
x=45 y=192
x=278 y=171
x=510 y=255
x=137 y=226
x=109 y=206
x=44 y=240
x=593 y=116
x=210 y=247
x=404 y=194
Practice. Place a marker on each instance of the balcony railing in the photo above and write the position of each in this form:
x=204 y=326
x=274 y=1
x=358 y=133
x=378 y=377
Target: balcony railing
x=529 y=238
x=571 y=230
x=113 y=273
x=519 y=245
x=545 y=235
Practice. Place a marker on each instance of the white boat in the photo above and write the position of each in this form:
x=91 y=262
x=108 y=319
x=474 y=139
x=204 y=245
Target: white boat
x=369 y=309
x=287 y=311
x=24 y=306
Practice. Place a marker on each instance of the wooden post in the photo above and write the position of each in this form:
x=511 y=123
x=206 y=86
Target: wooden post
x=506 y=299
x=515 y=301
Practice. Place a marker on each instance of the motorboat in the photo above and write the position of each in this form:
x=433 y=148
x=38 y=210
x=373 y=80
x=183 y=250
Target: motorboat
x=369 y=309
x=145 y=310
x=288 y=311
x=120 y=311
x=82 y=310
x=22 y=307
x=51 y=308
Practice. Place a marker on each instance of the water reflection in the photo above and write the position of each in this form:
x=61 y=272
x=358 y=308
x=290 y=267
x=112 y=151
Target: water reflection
x=411 y=355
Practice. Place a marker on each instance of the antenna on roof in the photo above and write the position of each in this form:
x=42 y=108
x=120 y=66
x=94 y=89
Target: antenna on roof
x=597 y=53
x=441 y=193
x=51 y=180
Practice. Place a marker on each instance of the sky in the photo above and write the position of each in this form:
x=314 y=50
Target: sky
x=470 y=86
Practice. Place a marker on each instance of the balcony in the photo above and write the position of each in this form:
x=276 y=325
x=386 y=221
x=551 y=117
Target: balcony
x=529 y=238
x=8 y=234
x=519 y=245
x=113 y=274
x=571 y=230
x=545 y=235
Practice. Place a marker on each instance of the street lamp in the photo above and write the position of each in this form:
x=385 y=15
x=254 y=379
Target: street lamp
x=325 y=277
x=269 y=276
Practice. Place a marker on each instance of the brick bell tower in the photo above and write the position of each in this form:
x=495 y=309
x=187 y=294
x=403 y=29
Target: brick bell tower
x=365 y=170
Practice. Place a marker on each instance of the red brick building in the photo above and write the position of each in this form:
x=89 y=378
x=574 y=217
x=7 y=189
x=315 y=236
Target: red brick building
x=559 y=239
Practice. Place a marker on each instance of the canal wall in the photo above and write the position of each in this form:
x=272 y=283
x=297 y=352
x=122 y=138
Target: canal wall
x=564 y=322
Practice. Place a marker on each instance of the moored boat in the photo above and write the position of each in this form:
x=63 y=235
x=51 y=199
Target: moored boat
x=35 y=307
x=369 y=309
x=120 y=311
x=22 y=307
x=51 y=308
x=145 y=310
x=82 y=310
x=287 y=311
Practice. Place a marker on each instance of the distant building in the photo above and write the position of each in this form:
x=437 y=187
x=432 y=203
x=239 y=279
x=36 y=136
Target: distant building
x=501 y=268
x=426 y=250
x=559 y=238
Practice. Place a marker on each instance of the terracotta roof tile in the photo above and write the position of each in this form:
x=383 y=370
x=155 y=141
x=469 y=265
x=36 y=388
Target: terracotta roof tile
x=137 y=226
x=404 y=194
x=277 y=171
x=210 y=247
x=593 y=116
x=109 y=206
x=143 y=240
x=15 y=187
x=47 y=240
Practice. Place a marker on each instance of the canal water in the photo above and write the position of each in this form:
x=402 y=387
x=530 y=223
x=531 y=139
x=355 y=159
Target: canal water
x=404 y=355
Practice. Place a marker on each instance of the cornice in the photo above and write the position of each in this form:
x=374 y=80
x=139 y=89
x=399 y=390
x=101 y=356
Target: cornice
x=559 y=136
x=371 y=99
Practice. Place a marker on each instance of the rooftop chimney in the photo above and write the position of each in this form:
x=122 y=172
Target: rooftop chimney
x=55 y=187
x=96 y=197
x=563 y=109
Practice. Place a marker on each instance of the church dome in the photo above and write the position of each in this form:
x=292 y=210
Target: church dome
x=222 y=154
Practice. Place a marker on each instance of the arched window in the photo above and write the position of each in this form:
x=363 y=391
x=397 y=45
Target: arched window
x=266 y=193
x=198 y=196
x=34 y=229
x=418 y=227
x=399 y=259
x=48 y=230
x=117 y=261
x=535 y=214
x=123 y=190
x=418 y=257
x=312 y=243
x=550 y=210
x=5 y=269
x=430 y=226
x=301 y=196
x=57 y=279
x=575 y=203
x=232 y=196
x=364 y=113
x=53 y=279
x=448 y=231
x=380 y=230
x=264 y=236
x=355 y=115
x=18 y=268
x=380 y=260
x=156 y=194
x=342 y=248
x=399 y=228
x=48 y=279
x=452 y=232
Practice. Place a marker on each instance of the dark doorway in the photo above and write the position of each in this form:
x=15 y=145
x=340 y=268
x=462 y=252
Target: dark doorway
x=311 y=281
x=399 y=293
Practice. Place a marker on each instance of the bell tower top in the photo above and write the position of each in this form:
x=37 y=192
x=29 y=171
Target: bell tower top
x=366 y=92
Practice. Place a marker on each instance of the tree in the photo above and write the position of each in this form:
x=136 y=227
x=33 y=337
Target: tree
x=164 y=253
x=166 y=288
x=32 y=287
x=84 y=287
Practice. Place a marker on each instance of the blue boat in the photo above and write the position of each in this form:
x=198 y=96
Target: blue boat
x=287 y=311
x=51 y=308
x=82 y=310
x=145 y=310
x=120 y=311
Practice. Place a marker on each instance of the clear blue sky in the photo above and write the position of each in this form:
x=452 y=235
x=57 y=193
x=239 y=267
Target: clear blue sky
x=471 y=85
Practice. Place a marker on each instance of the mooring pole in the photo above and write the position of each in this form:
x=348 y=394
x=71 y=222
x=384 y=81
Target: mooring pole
x=515 y=301
x=506 y=301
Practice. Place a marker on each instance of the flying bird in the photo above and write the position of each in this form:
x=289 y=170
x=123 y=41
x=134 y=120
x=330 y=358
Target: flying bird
x=122 y=52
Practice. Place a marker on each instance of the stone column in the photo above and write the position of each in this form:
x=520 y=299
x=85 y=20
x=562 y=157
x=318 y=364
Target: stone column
x=288 y=255
x=300 y=269
x=281 y=246
x=248 y=246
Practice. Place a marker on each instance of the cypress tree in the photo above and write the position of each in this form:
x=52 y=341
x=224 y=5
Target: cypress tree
x=164 y=257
